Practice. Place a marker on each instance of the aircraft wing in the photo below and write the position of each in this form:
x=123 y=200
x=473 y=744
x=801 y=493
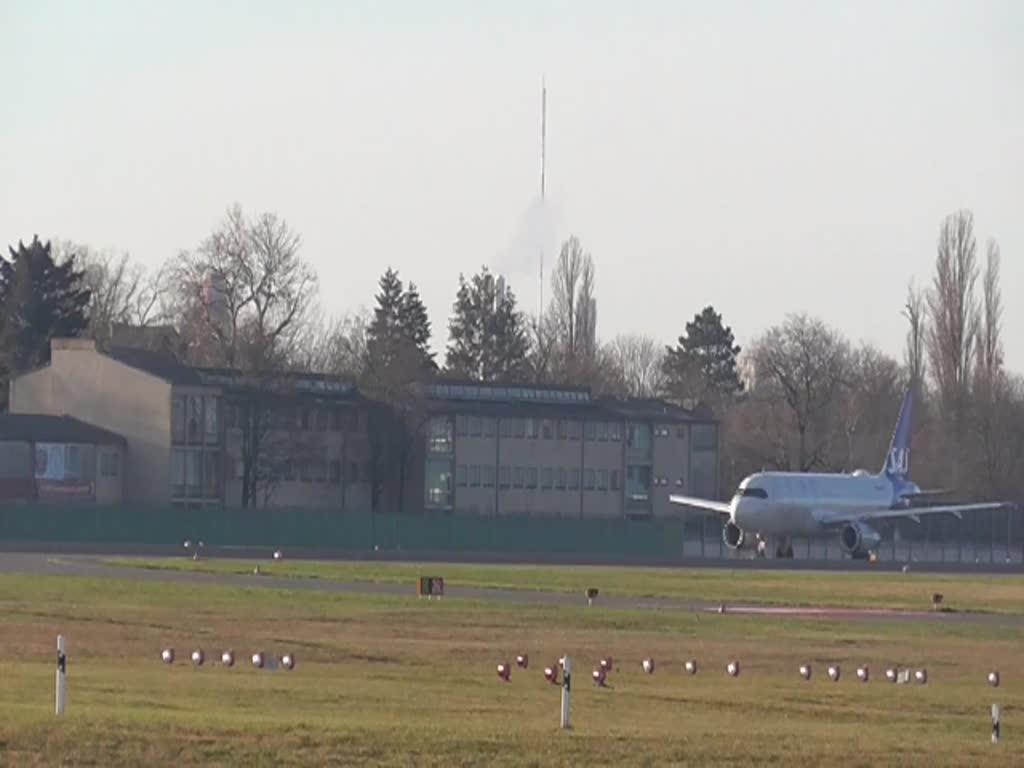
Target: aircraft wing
x=914 y=513
x=721 y=507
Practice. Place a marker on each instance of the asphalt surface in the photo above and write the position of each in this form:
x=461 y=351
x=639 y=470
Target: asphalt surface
x=92 y=566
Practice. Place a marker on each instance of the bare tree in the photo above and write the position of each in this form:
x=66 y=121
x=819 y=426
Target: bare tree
x=914 y=357
x=806 y=363
x=989 y=381
x=637 y=362
x=870 y=401
x=335 y=346
x=122 y=292
x=244 y=297
x=573 y=313
x=953 y=313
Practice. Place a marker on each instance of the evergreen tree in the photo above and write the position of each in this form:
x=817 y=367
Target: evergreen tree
x=39 y=300
x=703 y=363
x=488 y=335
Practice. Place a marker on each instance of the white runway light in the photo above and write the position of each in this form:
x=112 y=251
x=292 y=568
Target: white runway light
x=834 y=672
x=228 y=658
x=691 y=667
x=890 y=675
x=277 y=554
x=504 y=673
x=921 y=676
x=648 y=665
x=805 y=671
x=288 y=661
x=167 y=655
x=551 y=675
x=522 y=661
x=993 y=679
x=198 y=657
x=733 y=669
x=606 y=664
x=863 y=673
x=257 y=660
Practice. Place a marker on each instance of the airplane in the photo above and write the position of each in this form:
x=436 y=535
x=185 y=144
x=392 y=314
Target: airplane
x=778 y=506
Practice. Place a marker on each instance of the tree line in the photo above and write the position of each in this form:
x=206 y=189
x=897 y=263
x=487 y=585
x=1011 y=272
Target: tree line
x=801 y=396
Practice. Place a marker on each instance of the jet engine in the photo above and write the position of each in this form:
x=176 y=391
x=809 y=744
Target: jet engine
x=858 y=539
x=736 y=538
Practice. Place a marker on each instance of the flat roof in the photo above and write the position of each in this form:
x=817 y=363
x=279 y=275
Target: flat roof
x=42 y=428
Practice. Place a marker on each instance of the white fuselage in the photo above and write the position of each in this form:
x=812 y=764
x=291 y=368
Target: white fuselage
x=792 y=504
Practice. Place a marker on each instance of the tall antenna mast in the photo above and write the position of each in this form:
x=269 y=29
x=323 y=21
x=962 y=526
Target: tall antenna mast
x=543 y=162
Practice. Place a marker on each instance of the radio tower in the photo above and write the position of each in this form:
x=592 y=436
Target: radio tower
x=543 y=160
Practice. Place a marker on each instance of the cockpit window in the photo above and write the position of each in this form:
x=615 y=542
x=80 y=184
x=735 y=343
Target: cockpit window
x=757 y=493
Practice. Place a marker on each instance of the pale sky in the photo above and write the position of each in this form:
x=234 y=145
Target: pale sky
x=763 y=157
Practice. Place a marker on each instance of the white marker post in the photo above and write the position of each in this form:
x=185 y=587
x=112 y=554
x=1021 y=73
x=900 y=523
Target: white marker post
x=566 y=690
x=995 y=723
x=62 y=668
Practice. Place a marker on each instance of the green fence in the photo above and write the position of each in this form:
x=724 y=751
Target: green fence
x=324 y=530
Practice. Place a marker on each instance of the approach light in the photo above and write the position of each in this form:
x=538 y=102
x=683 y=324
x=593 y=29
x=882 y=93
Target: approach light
x=606 y=664
x=863 y=674
x=921 y=676
x=504 y=672
x=551 y=675
x=600 y=676
x=890 y=675
x=834 y=672
x=993 y=679
x=257 y=660
x=805 y=671
x=198 y=657
x=522 y=661
x=288 y=661
x=733 y=668
x=691 y=667
x=167 y=655
x=228 y=658
x=648 y=665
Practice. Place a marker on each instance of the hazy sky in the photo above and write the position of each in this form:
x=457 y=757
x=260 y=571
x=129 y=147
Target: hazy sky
x=763 y=157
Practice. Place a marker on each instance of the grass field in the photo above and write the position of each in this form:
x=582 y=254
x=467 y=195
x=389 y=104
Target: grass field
x=912 y=591
x=397 y=681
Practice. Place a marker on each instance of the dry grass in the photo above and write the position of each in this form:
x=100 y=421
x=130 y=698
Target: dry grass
x=395 y=681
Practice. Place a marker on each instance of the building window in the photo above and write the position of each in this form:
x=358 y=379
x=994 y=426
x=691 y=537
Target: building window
x=572 y=429
x=193 y=470
x=562 y=429
x=461 y=476
x=639 y=438
x=474 y=475
x=461 y=427
x=531 y=429
x=614 y=482
x=603 y=431
x=322 y=416
x=519 y=428
x=489 y=427
x=305 y=419
x=588 y=479
x=590 y=431
x=615 y=431
x=306 y=471
x=335 y=472
x=546 y=429
x=680 y=433
x=574 y=479
x=547 y=478
x=353 y=471
x=474 y=426
x=178 y=419
x=602 y=479
x=518 y=478
x=211 y=475
x=439 y=483
x=441 y=435
x=531 y=477
x=560 y=483
x=178 y=473
x=506 y=476
x=505 y=428
x=211 y=422
x=488 y=472
x=110 y=464
x=638 y=483
x=703 y=437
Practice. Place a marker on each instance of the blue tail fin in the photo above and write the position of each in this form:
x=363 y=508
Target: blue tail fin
x=897 y=461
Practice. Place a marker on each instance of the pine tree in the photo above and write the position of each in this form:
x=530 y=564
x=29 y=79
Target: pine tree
x=703 y=363
x=415 y=324
x=488 y=335
x=39 y=300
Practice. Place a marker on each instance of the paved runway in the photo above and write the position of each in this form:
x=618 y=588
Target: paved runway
x=93 y=566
